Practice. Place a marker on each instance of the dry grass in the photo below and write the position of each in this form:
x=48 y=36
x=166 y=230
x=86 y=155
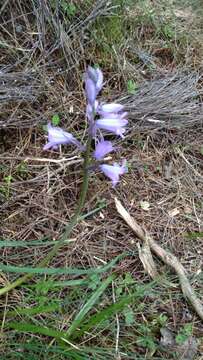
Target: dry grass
x=43 y=57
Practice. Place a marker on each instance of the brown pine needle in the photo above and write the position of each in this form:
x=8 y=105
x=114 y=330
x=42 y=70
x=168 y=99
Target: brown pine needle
x=165 y=256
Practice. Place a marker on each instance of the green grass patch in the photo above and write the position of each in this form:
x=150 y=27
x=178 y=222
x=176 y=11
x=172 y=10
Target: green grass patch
x=86 y=309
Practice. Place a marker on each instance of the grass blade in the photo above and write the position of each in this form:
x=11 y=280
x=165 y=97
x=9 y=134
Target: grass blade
x=35 y=329
x=34 y=310
x=88 y=305
x=25 y=244
x=105 y=314
x=59 y=271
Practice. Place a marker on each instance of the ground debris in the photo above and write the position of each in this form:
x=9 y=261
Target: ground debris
x=186 y=351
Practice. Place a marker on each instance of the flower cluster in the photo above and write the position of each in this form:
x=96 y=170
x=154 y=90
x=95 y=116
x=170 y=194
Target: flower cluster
x=108 y=117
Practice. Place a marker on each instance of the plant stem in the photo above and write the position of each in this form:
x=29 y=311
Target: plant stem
x=73 y=221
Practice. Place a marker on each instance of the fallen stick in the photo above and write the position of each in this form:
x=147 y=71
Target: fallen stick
x=165 y=256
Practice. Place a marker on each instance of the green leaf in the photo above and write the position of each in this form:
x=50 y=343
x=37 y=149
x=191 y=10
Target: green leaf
x=68 y=8
x=108 y=312
x=55 y=120
x=14 y=243
x=129 y=316
x=132 y=87
x=22 y=168
x=128 y=279
x=194 y=235
x=8 y=179
x=146 y=342
x=119 y=290
x=162 y=319
x=51 y=271
x=94 y=281
x=35 y=329
x=88 y=305
x=94 y=211
x=184 y=333
x=56 y=284
x=34 y=310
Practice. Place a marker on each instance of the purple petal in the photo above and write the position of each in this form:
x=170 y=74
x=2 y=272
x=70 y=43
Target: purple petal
x=111 y=108
x=124 y=168
x=92 y=74
x=96 y=105
x=90 y=113
x=77 y=143
x=90 y=89
x=50 y=145
x=96 y=76
x=113 y=115
x=123 y=115
x=99 y=83
x=102 y=149
x=57 y=136
x=114 y=171
x=112 y=122
x=116 y=126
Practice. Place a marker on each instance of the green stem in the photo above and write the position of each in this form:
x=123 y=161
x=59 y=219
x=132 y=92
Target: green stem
x=73 y=221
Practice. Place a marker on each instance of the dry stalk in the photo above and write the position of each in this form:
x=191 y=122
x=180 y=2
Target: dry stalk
x=146 y=258
x=173 y=101
x=165 y=256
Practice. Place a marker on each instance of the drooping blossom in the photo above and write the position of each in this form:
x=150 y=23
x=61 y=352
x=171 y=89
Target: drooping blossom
x=114 y=171
x=57 y=136
x=103 y=148
x=113 y=125
x=114 y=115
x=110 y=108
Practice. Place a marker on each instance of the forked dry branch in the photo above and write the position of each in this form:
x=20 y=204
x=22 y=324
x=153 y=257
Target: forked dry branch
x=165 y=256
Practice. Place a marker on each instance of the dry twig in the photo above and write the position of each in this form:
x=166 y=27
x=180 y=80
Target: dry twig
x=165 y=256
